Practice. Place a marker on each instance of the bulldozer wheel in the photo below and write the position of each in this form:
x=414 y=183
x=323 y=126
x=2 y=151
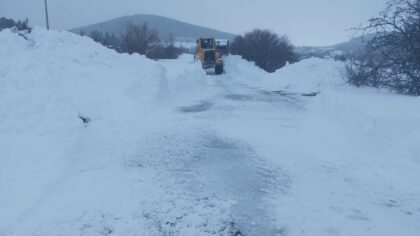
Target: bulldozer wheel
x=218 y=70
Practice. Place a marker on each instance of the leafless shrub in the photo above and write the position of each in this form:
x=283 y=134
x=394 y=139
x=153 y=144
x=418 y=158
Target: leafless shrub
x=166 y=50
x=139 y=39
x=268 y=50
x=394 y=51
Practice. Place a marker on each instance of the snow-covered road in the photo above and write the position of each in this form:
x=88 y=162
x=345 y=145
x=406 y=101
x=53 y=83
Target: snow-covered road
x=170 y=150
x=204 y=161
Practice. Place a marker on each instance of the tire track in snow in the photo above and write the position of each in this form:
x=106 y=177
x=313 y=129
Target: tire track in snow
x=233 y=171
x=238 y=92
x=221 y=182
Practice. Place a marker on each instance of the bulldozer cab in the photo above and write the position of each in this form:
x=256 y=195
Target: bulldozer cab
x=207 y=43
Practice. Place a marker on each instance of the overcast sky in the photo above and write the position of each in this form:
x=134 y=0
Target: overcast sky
x=306 y=22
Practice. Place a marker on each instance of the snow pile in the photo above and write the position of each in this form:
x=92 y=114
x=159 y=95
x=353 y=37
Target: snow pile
x=307 y=76
x=59 y=175
x=244 y=70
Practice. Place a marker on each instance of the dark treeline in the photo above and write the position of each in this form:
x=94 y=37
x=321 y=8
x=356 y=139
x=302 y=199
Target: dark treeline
x=140 y=39
x=9 y=23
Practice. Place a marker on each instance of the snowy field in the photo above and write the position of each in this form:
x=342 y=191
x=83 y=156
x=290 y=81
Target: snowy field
x=170 y=150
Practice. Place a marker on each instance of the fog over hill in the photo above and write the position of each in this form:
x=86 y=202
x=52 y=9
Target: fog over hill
x=356 y=45
x=164 y=25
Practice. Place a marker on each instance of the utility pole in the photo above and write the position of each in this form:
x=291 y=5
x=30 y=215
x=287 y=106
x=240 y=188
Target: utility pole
x=46 y=15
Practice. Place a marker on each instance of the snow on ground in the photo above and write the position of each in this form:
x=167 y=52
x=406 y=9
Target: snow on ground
x=353 y=154
x=170 y=150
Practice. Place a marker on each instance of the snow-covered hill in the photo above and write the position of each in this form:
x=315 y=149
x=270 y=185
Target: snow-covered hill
x=170 y=150
x=164 y=25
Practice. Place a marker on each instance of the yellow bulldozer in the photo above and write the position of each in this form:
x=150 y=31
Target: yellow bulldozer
x=210 y=55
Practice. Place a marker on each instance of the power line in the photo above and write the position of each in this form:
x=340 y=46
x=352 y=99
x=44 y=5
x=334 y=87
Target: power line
x=70 y=13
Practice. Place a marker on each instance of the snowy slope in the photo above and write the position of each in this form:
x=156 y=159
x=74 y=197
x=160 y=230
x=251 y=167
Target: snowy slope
x=170 y=150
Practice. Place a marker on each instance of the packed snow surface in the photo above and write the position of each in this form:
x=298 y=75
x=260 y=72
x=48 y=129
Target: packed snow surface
x=93 y=142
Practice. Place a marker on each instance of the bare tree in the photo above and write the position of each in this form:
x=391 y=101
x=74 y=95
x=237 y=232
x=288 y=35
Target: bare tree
x=268 y=50
x=6 y=23
x=364 y=70
x=395 y=47
x=110 y=40
x=170 y=51
x=97 y=36
x=139 y=39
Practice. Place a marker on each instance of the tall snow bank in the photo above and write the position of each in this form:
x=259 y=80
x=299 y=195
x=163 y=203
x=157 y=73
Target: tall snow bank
x=11 y=43
x=306 y=76
x=47 y=80
x=53 y=69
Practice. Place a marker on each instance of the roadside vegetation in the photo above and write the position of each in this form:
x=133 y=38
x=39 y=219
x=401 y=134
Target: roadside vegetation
x=9 y=23
x=391 y=59
x=141 y=39
x=268 y=50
